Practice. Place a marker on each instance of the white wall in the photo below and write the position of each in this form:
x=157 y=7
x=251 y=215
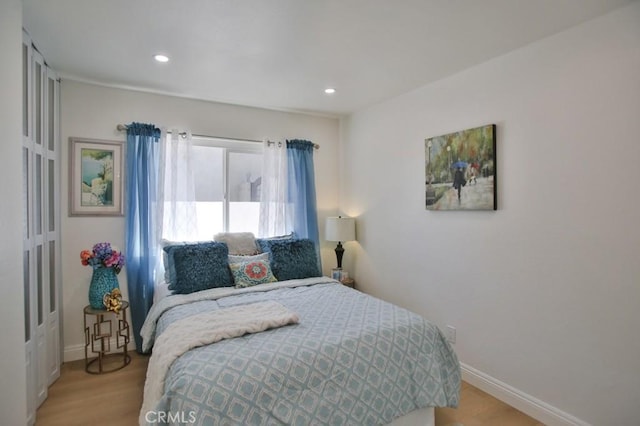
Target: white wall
x=544 y=292
x=94 y=111
x=13 y=402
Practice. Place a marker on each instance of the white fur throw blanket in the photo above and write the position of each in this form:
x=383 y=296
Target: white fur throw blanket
x=148 y=331
x=203 y=329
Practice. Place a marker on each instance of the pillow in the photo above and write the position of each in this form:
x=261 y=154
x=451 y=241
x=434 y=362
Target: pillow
x=251 y=272
x=238 y=259
x=165 y=257
x=292 y=258
x=160 y=291
x=198 y=266
x=288 y=236
x=239 y=243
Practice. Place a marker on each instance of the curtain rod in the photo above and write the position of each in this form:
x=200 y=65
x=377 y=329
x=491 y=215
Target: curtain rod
x=124 y=127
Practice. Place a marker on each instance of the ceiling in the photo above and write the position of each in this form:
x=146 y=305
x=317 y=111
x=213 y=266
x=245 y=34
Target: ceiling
x=282 y=54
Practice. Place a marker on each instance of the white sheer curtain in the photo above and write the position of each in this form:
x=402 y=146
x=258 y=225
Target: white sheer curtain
x=274 y=211
x=176 y=193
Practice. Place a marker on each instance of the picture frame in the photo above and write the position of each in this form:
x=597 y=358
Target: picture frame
x=95 y=177
x=460 y=170
x=336 y=274
x=339 y=274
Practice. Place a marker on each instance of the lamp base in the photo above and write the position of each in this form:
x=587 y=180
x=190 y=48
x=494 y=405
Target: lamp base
x=339 y=253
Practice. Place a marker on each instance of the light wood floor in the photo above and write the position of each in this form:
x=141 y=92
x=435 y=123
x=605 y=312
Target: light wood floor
x=81 y=399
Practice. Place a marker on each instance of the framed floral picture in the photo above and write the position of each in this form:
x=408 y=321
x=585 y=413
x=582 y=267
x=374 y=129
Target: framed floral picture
x=460 y=170
x=95 y=177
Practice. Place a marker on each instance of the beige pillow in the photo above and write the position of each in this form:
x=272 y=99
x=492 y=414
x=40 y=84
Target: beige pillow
x=239 y=243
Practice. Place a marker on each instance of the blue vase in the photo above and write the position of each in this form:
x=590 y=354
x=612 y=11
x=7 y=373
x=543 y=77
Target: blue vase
x=103 y=281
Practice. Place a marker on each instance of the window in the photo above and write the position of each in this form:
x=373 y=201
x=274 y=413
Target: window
x=227 y=176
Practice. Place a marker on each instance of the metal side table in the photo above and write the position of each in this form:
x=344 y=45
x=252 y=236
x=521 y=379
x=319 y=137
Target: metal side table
x=99 y=335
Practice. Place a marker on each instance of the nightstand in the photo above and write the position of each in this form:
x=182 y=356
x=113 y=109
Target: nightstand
x=99 y=328
x=349 y=282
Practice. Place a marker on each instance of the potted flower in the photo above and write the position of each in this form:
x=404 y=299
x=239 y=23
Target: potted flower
x=106 y=263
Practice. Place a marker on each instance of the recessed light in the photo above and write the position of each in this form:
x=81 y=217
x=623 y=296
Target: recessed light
x=161 y=58
x=329 y=90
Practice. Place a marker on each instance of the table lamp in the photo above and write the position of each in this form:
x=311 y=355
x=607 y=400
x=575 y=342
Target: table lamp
x=340 y=229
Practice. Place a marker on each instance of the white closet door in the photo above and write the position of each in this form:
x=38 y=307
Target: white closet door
x=52 y=228
x=41 y=227
x=38 y=219
x=31 y=363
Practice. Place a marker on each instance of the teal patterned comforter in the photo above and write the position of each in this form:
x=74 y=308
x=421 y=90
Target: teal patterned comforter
x=352 y=360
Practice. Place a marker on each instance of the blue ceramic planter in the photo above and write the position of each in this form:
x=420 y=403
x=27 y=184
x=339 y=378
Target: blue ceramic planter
x=103 y=281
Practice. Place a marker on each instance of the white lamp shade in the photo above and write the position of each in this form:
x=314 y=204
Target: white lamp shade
x=340 y=229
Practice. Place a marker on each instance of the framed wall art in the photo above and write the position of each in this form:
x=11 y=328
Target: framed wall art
x=460 y=170
x=95 y=177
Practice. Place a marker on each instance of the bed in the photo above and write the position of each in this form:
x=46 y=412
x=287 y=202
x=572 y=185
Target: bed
x=296 y=351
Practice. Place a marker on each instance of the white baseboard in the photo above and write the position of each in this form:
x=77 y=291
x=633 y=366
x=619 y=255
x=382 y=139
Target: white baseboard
x=76 y=352
x=539 y=410
x=73 y=353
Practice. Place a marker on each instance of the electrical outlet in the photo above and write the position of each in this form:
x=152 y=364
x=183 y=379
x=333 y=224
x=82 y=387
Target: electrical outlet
x=451 y=334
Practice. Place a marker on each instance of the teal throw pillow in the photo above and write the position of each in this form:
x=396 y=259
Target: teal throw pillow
x=198 y=266
x=291 y=258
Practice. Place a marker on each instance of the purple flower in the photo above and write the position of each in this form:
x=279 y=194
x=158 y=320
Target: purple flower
x=103 y=256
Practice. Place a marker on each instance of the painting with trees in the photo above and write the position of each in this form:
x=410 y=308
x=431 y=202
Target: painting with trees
x=460 y=170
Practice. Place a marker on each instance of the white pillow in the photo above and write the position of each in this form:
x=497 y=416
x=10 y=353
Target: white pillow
x=240 y=259
x=160 y=291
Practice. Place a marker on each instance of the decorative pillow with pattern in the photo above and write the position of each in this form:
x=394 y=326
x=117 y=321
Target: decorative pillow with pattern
x=251 y=272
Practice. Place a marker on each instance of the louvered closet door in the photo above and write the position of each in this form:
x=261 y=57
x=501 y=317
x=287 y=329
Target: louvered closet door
x=52 y=228
x=31 y=363
x=39 y=263
x=41 y=228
